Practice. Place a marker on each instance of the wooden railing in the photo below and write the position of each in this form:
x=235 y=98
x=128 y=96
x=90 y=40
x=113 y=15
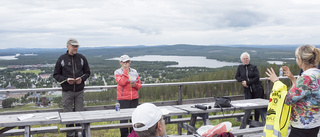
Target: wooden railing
x=179 y=101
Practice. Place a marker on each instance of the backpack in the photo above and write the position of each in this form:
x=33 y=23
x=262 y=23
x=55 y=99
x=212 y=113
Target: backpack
x=226 y=134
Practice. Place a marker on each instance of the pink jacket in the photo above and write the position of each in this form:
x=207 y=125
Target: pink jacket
x=124 y=90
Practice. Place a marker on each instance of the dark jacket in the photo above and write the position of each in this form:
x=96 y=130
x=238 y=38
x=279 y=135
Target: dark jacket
x=68 y=66
x=251 y=75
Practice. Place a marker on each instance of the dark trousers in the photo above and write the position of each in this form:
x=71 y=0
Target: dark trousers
x=127 y=104
x=252 y=95
x=262 y=111
x=72 y=101
x=297 y=132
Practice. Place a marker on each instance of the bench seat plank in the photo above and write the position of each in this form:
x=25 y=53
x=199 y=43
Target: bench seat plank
x=67 y=129
x=178 y=120
x=38 y=130
x=236 y=131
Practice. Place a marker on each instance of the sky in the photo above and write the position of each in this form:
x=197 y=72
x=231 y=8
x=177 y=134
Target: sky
x=96 y=23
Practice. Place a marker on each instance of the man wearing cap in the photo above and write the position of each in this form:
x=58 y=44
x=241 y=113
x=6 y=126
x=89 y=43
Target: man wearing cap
x=128 y=84
x=147 y=121
x=71 y=70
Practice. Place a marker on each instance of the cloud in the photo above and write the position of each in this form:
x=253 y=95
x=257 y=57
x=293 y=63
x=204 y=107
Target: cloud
x=47 y=24
x=242 y=19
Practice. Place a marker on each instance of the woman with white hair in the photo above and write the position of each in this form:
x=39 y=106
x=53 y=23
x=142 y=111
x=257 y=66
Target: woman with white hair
x=249 y=76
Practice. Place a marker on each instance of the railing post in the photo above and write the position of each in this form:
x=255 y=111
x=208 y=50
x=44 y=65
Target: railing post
x=180 y=95
x=268 y=89
x=180 y=103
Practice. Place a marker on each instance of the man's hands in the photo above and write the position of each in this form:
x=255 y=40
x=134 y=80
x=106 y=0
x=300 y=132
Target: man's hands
x=78 y=80
x=71 y=81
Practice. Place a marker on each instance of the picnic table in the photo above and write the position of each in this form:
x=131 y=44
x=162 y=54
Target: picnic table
x=246 y=104
x=26 y=120
x=87 y=117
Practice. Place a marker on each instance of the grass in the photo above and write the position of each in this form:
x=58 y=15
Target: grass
x=26 y=107
x=36 y=71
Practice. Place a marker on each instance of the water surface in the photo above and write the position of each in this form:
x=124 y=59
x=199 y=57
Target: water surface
x=184 y=61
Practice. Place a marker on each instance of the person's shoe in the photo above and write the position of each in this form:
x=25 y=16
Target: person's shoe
x=79 y=134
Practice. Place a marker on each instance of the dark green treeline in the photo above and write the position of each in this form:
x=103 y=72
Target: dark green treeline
x=166 y=93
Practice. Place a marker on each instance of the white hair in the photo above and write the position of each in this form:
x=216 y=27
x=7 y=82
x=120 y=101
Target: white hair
x=244 y=54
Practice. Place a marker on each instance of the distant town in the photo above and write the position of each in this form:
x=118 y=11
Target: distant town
x=33 y=68
x=40 y=76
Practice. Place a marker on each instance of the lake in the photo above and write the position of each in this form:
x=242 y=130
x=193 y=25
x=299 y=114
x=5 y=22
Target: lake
x=16 y=56
x=8 y=58
x=279 y=62
x=184 y=61
x=276 y=62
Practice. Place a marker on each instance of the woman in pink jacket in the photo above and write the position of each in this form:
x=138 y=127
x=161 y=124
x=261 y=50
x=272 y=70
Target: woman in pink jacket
x=128 y=84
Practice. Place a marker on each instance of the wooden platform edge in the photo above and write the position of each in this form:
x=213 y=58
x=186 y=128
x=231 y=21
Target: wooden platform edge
x=236 y=131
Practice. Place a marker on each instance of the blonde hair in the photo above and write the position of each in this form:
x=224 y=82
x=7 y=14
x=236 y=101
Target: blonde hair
x=309 y=55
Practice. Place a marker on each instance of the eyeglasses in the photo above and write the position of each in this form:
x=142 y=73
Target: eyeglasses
x=127 y=61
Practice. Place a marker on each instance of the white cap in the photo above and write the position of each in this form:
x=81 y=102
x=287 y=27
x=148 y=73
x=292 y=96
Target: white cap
x=124 y=58
x=147 y=114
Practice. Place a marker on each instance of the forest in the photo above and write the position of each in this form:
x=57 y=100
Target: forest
x=156 y=71
x=98 y=55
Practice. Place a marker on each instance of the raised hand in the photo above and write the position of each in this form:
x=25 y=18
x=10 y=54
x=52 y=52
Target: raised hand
x=287 y=72
x=272 y=75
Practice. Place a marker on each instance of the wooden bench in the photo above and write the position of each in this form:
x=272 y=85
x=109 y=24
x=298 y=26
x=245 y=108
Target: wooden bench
x=97 y=127
x=255 y=130
x=183 y=135
x=212 y=117
x=252 y=123
x=236 y=131
x=68 y=129
x=126 y=125
x=171 y=121
x=192 y=129
x=38 y=130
